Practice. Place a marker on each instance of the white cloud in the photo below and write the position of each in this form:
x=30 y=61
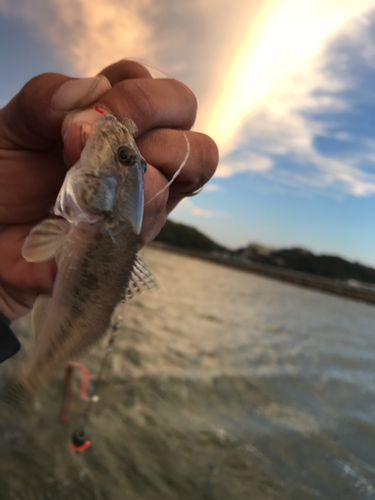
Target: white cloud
x=200 y=212
x=212 y=187
x=187 y=206
x=250 y=163
x=258 y=69
x=89 y=35
x=291 y=136
x=283 y=127
x=342 y=136
x=280 y=55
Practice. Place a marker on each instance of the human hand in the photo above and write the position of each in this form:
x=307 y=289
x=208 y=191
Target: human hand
x=32 y=167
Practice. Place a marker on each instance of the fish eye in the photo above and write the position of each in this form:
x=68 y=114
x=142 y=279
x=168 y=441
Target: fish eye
x=143 y=165
x=126 y=156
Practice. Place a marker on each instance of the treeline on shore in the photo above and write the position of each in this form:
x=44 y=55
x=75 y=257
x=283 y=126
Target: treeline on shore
x=295 y=259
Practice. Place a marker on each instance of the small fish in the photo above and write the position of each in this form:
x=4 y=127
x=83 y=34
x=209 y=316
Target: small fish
x=94 y=239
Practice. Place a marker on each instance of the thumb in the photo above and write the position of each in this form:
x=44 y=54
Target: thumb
x=33 y=118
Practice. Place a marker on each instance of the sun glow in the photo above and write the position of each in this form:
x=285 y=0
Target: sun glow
x=285 y=40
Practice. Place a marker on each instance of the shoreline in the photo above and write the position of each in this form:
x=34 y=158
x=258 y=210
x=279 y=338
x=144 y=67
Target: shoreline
x=331 y=286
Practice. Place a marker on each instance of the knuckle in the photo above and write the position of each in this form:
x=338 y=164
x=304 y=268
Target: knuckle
x=125 y=69
x=187 y=102
x=137 y=100
x=135 y=68
x=32 y=108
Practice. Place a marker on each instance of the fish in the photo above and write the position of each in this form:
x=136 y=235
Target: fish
x=93 y=234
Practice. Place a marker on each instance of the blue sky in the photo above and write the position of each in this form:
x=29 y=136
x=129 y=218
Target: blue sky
x=285 y=87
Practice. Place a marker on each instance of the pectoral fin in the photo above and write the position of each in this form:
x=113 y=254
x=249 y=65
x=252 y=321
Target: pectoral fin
x=141 y=279
x=44 y=240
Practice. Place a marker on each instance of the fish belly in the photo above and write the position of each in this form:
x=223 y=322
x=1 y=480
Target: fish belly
x=87 y=290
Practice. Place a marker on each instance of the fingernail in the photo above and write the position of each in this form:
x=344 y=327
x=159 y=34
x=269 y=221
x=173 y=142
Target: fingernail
x=79 y=93
x=85 y=133
x=88 y=116
x=75 y=138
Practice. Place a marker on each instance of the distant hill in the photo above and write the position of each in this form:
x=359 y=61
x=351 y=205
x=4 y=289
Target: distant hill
x=187 y=237
x=297 y=259
x=303 y=260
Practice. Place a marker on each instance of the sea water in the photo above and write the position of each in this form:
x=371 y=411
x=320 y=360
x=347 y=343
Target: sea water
x=222 y=385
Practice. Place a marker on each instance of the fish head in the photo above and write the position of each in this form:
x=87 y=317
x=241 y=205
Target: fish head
x=108 y=179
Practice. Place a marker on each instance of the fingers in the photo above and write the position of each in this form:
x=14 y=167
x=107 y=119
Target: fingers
x=33 y=118
x=148 y=102
x=144 y=99
x=29 y=183
x=166 y=149
x=125 y=70
x=155 y=213
x=152 y=103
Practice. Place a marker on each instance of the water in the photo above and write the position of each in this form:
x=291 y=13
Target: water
x=223 y=386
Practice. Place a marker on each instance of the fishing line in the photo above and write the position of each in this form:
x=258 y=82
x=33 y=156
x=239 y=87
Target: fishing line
x=157 y=73
x=80 y=438
x=99 y=379
x=177 y=171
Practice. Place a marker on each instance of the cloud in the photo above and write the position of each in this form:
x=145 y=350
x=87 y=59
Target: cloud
x=212 y=187
x=261 y=71
x=245 y=163
x=89 y=35
x=305 y=104
x=202 y=213
x=186 y=205
x=283 y=149
x=342 y=136
x=280 y=55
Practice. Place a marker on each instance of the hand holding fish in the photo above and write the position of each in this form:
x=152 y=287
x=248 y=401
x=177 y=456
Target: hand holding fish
x=32 y=167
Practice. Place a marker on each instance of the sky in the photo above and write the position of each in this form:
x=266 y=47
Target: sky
x=285 y=87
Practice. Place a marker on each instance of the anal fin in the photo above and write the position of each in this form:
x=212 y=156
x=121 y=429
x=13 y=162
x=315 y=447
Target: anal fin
x=141 y=279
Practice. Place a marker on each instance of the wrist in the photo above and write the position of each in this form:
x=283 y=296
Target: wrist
x=9 y=343
x=4 y=318
x=9 y=307
x=5 y=310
